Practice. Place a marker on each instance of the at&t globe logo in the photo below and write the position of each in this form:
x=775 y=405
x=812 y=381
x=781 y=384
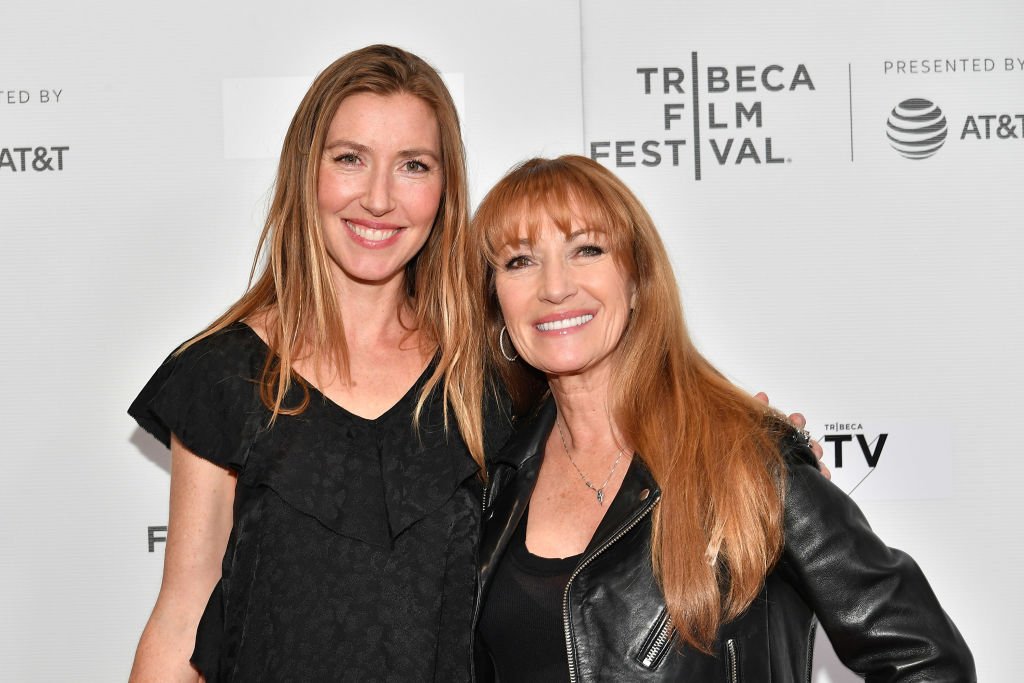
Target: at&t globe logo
x=916 y=128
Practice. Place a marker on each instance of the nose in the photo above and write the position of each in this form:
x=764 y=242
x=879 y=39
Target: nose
x=558 y=283
x=377 y=196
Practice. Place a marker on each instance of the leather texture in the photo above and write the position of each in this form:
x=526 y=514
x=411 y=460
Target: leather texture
x=876 y=606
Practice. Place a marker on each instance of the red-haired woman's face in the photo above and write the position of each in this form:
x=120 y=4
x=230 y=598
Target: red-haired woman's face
x=380 y=184
x=565 y=300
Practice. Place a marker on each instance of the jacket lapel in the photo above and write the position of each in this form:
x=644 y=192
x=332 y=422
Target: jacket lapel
x=521 y=457
x=638 y=492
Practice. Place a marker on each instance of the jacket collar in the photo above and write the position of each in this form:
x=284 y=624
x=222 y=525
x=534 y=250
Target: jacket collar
x=529 y=437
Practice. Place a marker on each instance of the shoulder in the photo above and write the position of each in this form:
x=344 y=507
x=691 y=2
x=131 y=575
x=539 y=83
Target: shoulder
x=794 y=457
x=233 y=349
x=205 y=392
x=227 y=361
x=793 y=444
x=809 y=497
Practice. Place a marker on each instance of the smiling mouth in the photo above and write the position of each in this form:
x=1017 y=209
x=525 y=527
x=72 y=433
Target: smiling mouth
x=371 y=234
x=565 y=323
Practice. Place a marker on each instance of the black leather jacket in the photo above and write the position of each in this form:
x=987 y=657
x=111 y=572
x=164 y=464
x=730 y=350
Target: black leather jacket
x=880 y=614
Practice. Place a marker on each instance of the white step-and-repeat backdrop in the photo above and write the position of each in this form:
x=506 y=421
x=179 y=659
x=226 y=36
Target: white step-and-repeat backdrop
x=840 y=186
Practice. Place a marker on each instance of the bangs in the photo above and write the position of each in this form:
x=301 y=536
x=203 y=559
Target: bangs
x=531 y=196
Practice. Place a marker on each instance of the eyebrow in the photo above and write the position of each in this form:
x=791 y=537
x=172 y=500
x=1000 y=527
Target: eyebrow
x=348 y=143
x=418 y=152
x=359 y=147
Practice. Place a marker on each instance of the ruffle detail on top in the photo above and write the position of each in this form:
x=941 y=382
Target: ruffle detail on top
x=365 y=479
x=207 y=396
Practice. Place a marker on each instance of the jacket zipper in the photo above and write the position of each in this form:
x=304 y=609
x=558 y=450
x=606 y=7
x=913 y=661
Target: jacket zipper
x=656 y=648
x=810 y=650
x=730 y=652
x=590 y=558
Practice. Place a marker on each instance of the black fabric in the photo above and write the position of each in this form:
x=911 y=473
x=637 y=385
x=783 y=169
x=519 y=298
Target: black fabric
x=523 y=615
x=352 y=555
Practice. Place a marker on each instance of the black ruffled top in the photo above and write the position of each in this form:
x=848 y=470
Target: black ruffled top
x=352 y=555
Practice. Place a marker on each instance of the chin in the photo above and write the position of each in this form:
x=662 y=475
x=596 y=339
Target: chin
x=370 y=273
x=566 y=368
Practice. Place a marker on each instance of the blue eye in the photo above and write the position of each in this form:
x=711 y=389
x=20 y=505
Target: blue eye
x=590 y=250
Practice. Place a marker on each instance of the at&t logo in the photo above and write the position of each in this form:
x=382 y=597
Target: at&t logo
x=22 y=159
x=916 y=128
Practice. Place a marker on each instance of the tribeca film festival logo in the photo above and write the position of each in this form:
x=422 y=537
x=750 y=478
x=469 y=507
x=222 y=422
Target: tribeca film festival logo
x=732 y=131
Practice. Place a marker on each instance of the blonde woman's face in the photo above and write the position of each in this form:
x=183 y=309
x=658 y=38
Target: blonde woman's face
x=380 y=185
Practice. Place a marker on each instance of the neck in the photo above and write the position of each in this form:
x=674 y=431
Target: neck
x=584 y=410
x=374 y=313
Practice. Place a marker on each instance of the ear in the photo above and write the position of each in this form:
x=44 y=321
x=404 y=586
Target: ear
x=632 y=296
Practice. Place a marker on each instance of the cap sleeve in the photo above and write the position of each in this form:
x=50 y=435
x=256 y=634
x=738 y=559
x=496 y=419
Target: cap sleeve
x=207 y=396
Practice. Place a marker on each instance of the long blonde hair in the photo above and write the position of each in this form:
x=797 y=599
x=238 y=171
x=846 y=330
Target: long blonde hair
x=293 y=291
x=711 y=447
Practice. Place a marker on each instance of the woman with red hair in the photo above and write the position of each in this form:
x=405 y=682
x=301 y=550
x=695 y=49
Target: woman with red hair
x=649 y=520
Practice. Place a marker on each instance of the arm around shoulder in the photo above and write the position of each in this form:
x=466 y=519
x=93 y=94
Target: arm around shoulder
x=201 y=499
x=875 y=604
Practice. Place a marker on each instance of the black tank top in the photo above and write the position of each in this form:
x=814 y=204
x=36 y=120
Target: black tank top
x=521 y=623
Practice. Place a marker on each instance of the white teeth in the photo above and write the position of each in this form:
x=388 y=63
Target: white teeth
x=370 y=234
x=565 y=323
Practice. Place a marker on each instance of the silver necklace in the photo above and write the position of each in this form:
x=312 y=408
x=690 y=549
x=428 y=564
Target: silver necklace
x=598 y=490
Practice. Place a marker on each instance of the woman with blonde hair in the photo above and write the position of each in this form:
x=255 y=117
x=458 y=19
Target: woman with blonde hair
x=324 y=516
x=649 y=520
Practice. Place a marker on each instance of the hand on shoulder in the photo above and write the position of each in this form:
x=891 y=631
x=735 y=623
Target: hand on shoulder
x=800 y=422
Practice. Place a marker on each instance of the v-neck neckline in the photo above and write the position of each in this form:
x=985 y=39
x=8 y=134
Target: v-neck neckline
x=336 y=408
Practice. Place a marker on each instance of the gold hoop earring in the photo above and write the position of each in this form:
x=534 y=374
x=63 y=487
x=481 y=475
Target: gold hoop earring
x=501 y=345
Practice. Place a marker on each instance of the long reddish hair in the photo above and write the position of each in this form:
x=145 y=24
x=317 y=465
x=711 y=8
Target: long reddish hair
x=293 y=294
x=711 y=447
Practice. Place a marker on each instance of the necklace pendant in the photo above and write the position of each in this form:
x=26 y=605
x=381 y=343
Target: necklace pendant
x=600 y=497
